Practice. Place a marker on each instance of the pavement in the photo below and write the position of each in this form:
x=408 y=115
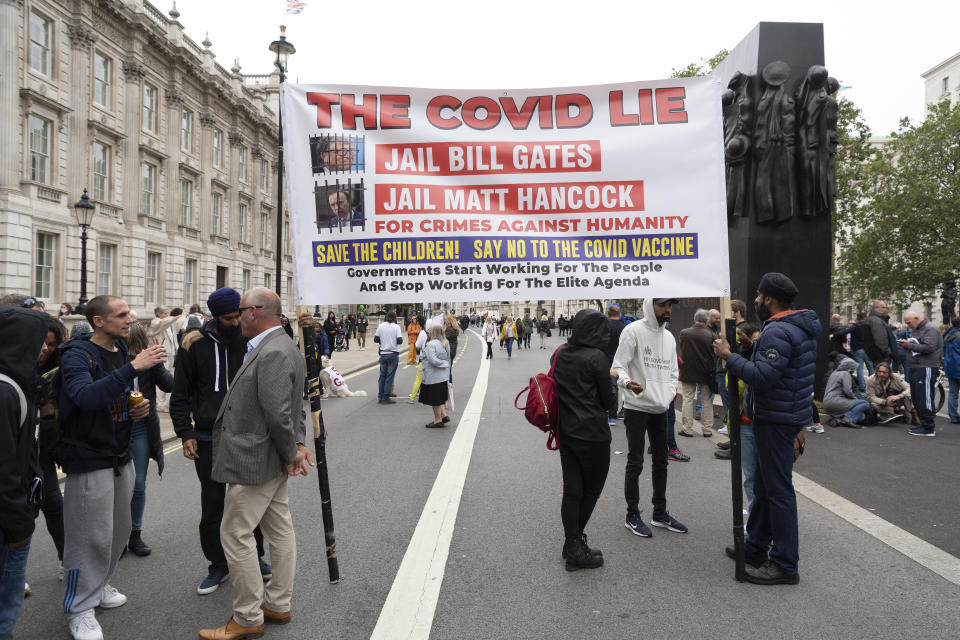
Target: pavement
x=463 y=524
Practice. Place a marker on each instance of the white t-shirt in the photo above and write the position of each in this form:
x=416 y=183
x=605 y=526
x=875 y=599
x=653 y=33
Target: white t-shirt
x=387 y=335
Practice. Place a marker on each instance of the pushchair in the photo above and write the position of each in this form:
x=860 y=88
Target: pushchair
x=340 y=341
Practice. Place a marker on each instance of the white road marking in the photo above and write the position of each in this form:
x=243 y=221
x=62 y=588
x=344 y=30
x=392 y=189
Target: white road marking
x=410 y=606
x=920 y=551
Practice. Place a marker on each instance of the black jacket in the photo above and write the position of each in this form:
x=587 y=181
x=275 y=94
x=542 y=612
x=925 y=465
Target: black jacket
x=616 y=328
x=18 y=447
x=583 y=382
x=206 y=364
x=148 y=381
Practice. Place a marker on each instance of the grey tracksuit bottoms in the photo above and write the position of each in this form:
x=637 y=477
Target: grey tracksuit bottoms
x=96 y=524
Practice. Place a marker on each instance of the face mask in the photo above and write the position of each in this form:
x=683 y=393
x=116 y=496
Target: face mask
x=762 y=312
x=63 y=311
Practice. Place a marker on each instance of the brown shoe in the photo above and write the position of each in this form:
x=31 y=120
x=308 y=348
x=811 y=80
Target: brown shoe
x=232 y=631
x=275 y=617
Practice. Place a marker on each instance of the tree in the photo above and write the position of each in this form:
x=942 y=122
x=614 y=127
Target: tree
x=702 y=68
x=905 y=222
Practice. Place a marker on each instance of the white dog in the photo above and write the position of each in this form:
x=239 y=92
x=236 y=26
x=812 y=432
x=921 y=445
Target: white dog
x=333 y=381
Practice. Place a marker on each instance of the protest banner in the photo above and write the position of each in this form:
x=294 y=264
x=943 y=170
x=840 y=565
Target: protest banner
x=603 y=191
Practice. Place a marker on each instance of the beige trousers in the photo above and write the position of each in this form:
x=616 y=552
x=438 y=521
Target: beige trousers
x=244 y=507
x=688 y=391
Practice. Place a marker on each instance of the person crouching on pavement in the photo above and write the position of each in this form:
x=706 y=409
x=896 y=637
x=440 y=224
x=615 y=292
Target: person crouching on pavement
x=780 y=372
x=582 y=374
x=96 y=417
x=257 y=443
x=841 y=399
x=889 y=394
x=435 y=363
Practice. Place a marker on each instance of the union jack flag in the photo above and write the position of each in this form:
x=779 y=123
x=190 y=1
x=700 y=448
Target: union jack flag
x=293 y=6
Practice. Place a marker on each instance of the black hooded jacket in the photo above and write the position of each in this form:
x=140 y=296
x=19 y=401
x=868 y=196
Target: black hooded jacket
x=582 y=375
x=206 y=365
x=18 y=448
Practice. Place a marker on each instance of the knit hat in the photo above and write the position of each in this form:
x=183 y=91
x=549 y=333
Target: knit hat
x=778 y=286
x=223 y=301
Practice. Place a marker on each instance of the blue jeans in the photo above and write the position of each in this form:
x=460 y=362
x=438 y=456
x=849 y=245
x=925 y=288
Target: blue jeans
x=952 y=393
x=860 y=356
x=13 y=575
x=857 y=411
x=388 y=369
x=773 y=517
x=748 y=462
x=510 y=346
x=140 y=453
x=722 y=389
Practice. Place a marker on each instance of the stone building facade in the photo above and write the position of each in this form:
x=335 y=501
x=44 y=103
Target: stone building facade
x=178 y=155
x=942 y=82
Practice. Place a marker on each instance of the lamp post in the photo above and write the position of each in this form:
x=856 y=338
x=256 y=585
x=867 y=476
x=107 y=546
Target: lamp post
x=284 y=50
x=84 y=212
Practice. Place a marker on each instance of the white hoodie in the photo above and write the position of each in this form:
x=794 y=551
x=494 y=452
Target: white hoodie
x=647 y=354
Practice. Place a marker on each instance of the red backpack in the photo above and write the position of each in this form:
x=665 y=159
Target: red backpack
x=542 y=409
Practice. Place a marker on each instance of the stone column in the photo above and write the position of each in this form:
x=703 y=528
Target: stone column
x=82 y=38
x=172 y=173
x=11 y=17
x=133 y=72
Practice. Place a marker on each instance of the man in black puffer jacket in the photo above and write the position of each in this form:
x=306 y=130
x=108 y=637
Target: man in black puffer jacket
x=780 y=377
x=582 y=375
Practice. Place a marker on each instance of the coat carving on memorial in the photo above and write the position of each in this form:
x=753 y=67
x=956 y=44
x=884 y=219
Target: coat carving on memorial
x=780 y=145
x=737 y=133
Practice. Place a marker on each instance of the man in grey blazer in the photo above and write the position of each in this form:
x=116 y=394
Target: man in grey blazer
x=257 y=444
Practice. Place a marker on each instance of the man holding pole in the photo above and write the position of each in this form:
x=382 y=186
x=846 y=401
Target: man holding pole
x=780 y=376
x=258 y=442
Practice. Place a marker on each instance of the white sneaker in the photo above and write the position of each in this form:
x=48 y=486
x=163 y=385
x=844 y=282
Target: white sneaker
x=84 y=626
x=815 y=428
x=110 y=598
x=722 y=431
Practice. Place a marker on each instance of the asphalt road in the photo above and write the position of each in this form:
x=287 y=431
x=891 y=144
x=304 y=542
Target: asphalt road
x=504 y=577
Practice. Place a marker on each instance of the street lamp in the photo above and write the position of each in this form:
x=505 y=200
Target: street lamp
x=284 y=50
x=84 y=212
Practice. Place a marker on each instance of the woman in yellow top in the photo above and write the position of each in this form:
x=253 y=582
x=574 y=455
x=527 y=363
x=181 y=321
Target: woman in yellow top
x=508 y=334
x=413 y=331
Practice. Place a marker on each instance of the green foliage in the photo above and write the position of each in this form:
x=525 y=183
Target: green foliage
x=701 y=68
x=901 y=210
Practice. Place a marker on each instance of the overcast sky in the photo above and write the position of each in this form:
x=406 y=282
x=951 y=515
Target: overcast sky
x=877 y=49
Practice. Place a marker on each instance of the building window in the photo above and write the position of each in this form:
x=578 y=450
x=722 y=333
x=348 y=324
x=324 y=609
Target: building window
x=217 y=148
x=186 y=202
x=101 y=171
x=46 y=248
x=946 y=84
x=286 y=237
x=101 y=80
x=40 y=38
x=264 y=175
x=263 y=230
x=246 y=279
x=153 y=272
x=217 y=212
x=39 y=149
x=243 y=164
x=105 y=261
x=186 y=130
x=221 y=277
x=242 y=223
x=149 y=108
x=189 y=277
x=266 y=280
x=148 y=174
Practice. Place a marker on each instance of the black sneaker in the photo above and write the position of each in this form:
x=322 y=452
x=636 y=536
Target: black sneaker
x=752 y=559
x=636 y=526
x=666 y=521
x=137 y=546
x=213 y=580
x=771 y=573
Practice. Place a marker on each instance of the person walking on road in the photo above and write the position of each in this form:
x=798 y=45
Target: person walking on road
x=435 y=361
x=413 y=332
x=95 y=422
x=582 y=374
x=699 y=366
x=389 y=338
x=451 y=331
x=362 y=324
x=951 y=367
x=258 y=443
x=508 y=334
x=923 y=357
x=331 y=328
x=418 y=345
x=646 y=368
x=779 y=375
x=208 y=361
x=489 y=332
